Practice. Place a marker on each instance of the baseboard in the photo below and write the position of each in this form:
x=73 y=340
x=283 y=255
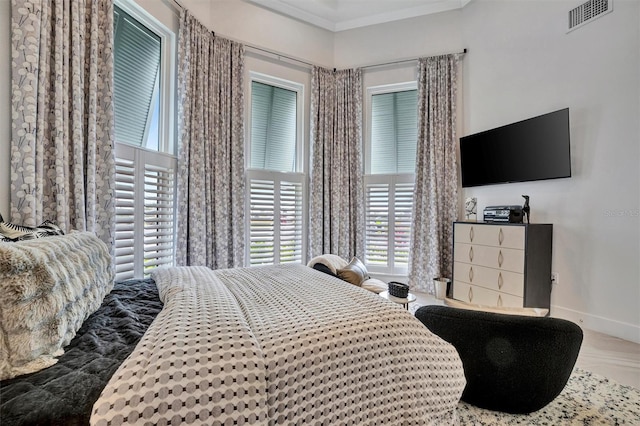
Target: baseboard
x=600 y=324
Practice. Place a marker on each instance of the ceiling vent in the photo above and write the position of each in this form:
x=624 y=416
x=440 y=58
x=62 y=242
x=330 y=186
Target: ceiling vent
x=587 y=12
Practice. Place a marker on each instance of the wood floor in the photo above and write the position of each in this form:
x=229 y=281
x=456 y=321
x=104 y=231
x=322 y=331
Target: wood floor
x=611 y=357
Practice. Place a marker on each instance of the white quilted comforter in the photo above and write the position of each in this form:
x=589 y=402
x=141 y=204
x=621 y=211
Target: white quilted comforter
x=281 y=345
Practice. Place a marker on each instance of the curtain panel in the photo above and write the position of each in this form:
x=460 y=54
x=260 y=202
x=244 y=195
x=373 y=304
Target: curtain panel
x=211 y=154
x=336 y=215
x=435 y=194
x=62 y=142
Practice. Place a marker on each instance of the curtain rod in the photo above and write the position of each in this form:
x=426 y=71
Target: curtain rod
x=310 y=64
x=401 y=61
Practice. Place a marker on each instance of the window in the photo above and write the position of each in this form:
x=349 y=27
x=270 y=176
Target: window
x=390 y=177
x=145 y=163
x=275 y=182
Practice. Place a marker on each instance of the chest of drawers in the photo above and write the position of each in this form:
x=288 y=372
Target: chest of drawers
x=502 y=264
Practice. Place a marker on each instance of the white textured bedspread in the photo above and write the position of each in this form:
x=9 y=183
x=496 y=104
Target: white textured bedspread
x=281 y=345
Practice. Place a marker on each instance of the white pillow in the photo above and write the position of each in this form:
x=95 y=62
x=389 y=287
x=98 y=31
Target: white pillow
x=375 y=285
x=331 y=261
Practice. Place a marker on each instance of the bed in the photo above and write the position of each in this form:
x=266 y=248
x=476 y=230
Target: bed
x=260 y=345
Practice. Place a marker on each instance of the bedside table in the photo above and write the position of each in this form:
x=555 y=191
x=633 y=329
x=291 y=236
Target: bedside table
x=404 y=302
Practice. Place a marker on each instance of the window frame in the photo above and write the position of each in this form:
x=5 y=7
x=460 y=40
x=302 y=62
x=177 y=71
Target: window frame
x=167 y=140
x=391 y=269
x=287 y=85
x=165 y=156
x=297 y=176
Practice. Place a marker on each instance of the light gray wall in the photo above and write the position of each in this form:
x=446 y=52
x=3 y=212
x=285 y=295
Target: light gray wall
x=254 y=25
x=522 y=63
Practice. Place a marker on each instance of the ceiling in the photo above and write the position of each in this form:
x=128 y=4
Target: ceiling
x=340 y=15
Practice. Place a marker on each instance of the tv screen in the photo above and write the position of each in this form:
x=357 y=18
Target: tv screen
x=533 y=149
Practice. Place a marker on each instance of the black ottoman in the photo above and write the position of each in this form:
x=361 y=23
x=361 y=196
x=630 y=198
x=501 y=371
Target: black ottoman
x=514 y=364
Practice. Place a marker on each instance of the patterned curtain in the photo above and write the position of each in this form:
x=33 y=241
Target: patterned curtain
x=62 y=144
x=435 y=203
x=336 y=194
x=211 y=154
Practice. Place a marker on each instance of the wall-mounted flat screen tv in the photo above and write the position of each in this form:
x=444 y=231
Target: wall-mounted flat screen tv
x=533 y=149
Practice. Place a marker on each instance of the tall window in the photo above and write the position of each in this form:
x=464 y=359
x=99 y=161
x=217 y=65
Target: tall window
x=145 y=160
x=390 y=177
x=275 y=181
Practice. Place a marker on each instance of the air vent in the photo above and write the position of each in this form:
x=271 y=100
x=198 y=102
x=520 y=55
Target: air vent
x=587 y=12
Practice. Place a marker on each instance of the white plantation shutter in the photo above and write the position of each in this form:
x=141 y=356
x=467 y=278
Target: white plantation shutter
x=262 y=222
x=125 y=223
x=159 y=183
x=390 y=180
x=377 y=223
x=403 y=196
x=145 y=211
x=389 y=200
x=291 y=221
x=275 y=219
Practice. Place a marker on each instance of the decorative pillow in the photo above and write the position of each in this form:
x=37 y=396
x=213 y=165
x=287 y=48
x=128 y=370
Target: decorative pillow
x=49 y=286
x=13 y=232
x=332 y=261
x=374 y=285
x=355 y=272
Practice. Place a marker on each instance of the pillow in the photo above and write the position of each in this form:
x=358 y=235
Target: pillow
x=331 y=261
x=355 y=272
x=49 y=286
x=375 y=285
x=13 y=232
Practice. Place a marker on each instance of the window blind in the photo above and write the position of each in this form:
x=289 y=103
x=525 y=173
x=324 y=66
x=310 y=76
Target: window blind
x=394 y=132
x=136 y=76
x=273 y=127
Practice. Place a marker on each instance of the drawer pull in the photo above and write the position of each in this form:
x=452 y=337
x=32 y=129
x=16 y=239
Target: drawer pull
x=471 y=234
x=470 y=294
x=500 y=281
x=471 y=274
x=471 y=254
x=499 y=300
x=500 y=237
x=500 y=259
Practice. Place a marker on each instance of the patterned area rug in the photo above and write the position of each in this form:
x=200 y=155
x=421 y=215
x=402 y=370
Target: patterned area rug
x=588 y=399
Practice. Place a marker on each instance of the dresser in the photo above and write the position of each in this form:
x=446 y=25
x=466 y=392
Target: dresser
x=504 y=264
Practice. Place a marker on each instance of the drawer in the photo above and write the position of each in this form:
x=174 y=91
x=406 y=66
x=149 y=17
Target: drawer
x=490 y=278
x=491 y=257
x=490 y=235
x=482 y=296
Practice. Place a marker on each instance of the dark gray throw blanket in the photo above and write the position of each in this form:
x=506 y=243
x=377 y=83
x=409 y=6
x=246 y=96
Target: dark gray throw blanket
x=64 y=393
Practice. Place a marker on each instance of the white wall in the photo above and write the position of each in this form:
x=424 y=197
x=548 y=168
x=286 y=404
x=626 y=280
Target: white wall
x=410 y=38
x=5 y=105
x=522 y=63
x=254 y=25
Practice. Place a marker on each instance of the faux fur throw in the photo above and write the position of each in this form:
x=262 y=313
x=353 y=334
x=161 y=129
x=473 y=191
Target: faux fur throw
x=48 y=287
